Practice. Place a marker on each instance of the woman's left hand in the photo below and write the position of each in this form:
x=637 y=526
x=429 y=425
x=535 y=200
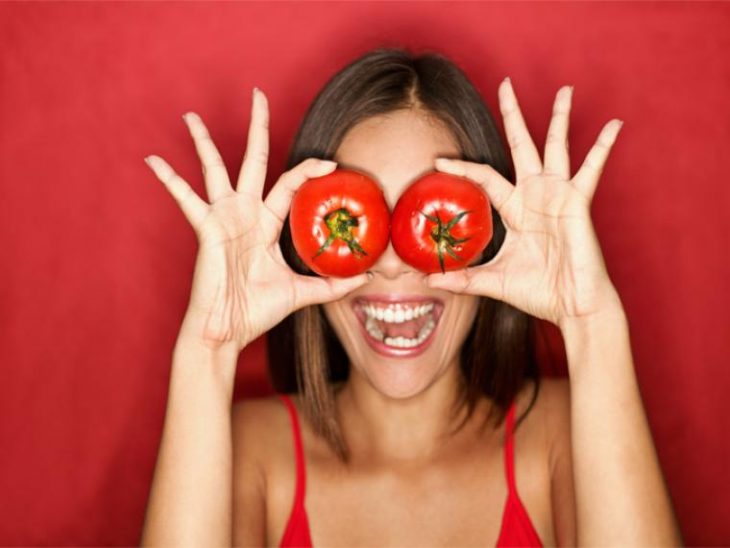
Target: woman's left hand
x=550 y=264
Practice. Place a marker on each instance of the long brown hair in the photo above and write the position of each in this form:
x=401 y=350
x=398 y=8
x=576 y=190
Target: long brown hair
x=498 y=355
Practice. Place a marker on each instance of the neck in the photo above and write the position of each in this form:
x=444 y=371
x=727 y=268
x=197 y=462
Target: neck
x=408 y=430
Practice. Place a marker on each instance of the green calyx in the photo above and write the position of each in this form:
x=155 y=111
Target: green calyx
x=441 y=235
x=340 y=224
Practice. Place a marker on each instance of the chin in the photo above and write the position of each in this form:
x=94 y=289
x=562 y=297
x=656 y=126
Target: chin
x=398 y=381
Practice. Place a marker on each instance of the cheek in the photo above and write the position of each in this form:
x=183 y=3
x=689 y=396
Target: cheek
x=464 y=309
x=336 y=314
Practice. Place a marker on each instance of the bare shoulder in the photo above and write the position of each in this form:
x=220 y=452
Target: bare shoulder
x=260 y=426
x=260 y=437
x=556 y=418
x=542 y=458
x=547 y=424
x=256 y=414
x=555 y=404
x=552 y=409
x=551 y=401
x=555 y=396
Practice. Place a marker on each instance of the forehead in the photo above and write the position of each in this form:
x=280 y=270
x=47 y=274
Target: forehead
x=396 y=148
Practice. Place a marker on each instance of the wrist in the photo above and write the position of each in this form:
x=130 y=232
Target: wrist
x=193 y=355
x=590 y=339
x=196 y=327
x=608 y=307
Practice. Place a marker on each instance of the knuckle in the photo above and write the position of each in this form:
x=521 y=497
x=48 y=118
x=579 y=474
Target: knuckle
x=261 y=156
x=554 y=139
x=185 y=195
x=214 y=165
x=515 y=140
x=188 y=193
x=205 y=140
x=508 y=107
x=601 y=149
x=285 y=177
x=170 y=178
x=199 y=131
x=592 y=164
x=606 y=138
x=606 y=142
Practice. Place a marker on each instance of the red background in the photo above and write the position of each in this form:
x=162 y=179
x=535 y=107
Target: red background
x=97 y=259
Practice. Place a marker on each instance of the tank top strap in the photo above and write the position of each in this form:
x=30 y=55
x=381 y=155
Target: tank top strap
x=509 y=449
x=298 y=450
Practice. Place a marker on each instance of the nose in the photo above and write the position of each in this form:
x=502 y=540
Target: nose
x=390 y=266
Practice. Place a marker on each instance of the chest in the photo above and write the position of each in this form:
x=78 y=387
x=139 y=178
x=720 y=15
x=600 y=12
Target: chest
x=457 y=500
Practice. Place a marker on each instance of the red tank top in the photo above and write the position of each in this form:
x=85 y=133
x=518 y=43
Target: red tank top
x=516 y=530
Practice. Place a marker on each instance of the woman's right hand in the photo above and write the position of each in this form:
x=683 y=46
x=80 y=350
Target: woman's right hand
x=242 y=286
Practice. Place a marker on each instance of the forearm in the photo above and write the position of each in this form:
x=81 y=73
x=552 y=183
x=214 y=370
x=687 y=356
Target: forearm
x=190 y=498
x=621 y=496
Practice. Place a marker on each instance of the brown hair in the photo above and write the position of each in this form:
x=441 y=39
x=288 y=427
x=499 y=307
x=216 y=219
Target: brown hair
x=498 y=354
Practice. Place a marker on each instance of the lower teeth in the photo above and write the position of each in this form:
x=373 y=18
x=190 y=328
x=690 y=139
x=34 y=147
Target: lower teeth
x=400 y=342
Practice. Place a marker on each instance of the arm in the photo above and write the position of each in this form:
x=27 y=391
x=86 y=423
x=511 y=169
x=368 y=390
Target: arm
x=550 y=265
x=190 y=498
x=621 y=497
x=241 y=288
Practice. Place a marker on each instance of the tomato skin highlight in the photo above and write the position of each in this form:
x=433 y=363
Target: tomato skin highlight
x=340 y=223
x=441 y=222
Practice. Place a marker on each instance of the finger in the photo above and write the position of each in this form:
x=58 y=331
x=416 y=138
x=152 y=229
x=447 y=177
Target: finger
x=498 y=188
x=524 y=152
x=586 y=179
x=217 y=183
x=280 y=196
x=557 y=160
x=193 y=207
x=485 y=281
x=314 y=290
x=252 y=176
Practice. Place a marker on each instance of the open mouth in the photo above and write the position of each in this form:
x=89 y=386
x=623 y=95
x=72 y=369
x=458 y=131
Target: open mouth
x=402 y=327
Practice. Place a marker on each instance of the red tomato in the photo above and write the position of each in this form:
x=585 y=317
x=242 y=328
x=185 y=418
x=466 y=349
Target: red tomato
x=441 y=222
x=339 y=223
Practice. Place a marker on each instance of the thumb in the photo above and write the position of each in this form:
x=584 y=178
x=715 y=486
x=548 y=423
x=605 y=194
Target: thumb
x=315 y=290
x=478 y=280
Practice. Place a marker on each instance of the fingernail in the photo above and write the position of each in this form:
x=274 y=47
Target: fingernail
x=328 y=163
x=507 y=79
x=147 y=160
x=444 y=160
x=370 y=275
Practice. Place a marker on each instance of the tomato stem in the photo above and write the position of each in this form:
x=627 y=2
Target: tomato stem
x=340 y=223
x=441 y=235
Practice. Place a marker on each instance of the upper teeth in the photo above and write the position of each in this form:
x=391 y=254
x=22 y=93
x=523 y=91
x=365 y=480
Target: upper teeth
x=397 y=313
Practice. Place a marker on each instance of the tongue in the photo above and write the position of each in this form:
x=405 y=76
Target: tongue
x=408 y=329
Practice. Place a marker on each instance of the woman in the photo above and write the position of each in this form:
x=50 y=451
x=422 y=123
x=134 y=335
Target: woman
x=383 y=446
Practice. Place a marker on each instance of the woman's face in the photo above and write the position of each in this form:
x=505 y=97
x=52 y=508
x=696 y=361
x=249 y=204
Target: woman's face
x=400 y=335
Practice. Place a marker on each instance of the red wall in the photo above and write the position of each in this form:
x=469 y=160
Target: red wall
x=97 y=259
